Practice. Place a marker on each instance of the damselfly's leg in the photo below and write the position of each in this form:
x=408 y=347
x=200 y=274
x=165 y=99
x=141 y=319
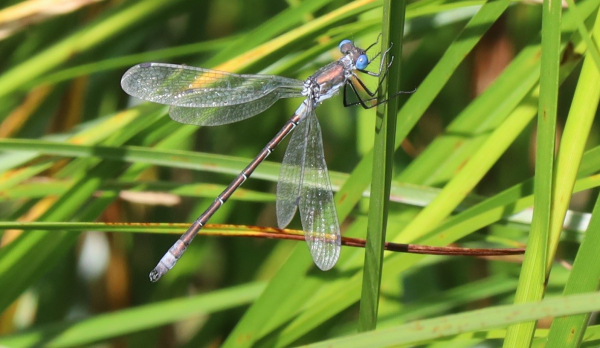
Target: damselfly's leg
x=373 y=44
x=360 y=100
x=362 y=84
x=385 y=73
x=377 y=74
x=363 y=103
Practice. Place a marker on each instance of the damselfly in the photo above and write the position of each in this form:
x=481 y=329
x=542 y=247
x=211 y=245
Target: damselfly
x=206 y=97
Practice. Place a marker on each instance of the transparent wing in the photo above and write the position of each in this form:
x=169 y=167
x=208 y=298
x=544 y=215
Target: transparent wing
x=224 y=94
x=317 y=208
x=290 y=174
x=188 y=86
x=214 y=116
x=304 y=174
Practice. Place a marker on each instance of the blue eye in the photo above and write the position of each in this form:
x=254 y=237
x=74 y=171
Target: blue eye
x=362 y=62
x=342 y=43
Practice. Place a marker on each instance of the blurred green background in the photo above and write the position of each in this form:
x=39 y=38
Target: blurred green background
x=75 y=148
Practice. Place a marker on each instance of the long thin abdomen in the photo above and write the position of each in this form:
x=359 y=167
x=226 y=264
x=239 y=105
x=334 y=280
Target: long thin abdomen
x=170 y=258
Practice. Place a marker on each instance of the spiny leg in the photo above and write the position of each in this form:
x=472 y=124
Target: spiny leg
x=377 y=74
x=367 y=90
x=385 y=73
x=363 y=102
x=360 y=100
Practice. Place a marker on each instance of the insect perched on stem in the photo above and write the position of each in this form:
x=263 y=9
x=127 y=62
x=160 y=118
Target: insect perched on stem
x=206 y=97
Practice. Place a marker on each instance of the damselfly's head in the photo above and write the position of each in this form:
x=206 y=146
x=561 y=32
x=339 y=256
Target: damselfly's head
x=358 y=55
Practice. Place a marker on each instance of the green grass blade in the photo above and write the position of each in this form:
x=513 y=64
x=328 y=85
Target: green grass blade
x=479 y=320
x=383 y=152
x=573 y=142
x=532 y=278
x=172 y=158
x=465 y=180
x=592 y=48
x=568 y=331
x=118 y=323
x=42 y=189
x=281 y=23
